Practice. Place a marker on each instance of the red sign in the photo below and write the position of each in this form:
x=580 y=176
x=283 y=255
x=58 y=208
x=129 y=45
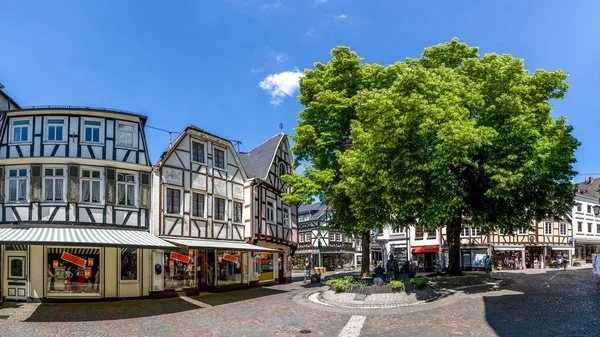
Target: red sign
x=190 y=268
x=76 y=260
x=90 y=261
x=230 y=258
x=171 y=264
x=180 y=257
x=87 y=273
x=190 y=252
x=54 y=264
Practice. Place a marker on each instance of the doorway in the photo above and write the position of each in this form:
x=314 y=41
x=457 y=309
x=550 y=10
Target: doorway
x=16 y=275
x=201 y=268
x=281 y=261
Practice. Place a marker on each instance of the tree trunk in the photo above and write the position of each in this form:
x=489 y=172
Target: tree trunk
x=453 y=231
x=365 y=269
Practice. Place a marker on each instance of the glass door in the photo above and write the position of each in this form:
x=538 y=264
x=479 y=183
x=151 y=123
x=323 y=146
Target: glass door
x=16 y=273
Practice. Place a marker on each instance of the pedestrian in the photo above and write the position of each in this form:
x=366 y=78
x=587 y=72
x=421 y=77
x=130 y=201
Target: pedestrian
x=306 y=269
x=559 y=260
x=488 y=265
x=391 y=267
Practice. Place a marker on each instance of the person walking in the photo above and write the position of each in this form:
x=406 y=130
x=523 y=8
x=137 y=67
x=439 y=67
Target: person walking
x=306 y=269
x=488 y=265
x=559 y=260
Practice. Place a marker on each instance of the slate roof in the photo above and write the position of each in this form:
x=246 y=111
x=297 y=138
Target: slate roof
x=589 y=188
x=316 y=210
x=258 y=161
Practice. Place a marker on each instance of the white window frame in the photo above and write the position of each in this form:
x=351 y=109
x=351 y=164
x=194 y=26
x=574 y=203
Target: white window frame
x=475 y=231
x=331 y=237
x=287 y=217
x=166 y=197
x=204 y=210
x=301 y=237
x=17 y=178
x=47 y=127
x=271 y=214
x=241 y=204
x=215 y=149
x=12 y=130
x=134 y=143
x=546 y=223
x=215 y=209
x=578 y=207
x=203 y=143
x=465 y=231
x=589 y=208
x=136 y=187
x=522 y=231
x=91 y=179
x=580 y=226
x=54 y=178
x=338 y=237
x=100 y=130
x=561 y=226
x=589 y=227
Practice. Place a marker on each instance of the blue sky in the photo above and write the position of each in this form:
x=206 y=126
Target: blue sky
x=203 y=62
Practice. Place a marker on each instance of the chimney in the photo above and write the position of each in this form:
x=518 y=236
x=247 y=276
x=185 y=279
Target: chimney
x=590 y=180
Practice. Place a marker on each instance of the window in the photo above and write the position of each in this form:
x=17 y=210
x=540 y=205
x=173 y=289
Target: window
x=91 y=131
x=562 y=229
x=126 y=189
x=589 y=208
x=418 y=232
x=286 y=217
x=237 y=211
x=90 y=186
x=578 y=207
x=54 y=184
x=198 y=152
x=597 y=228
x=173 y=201
x=125 y=134
x=338 y=236
x=73 y=271
x=464 y=231
x=475 y=231
x=395 y=230
x=270 y=211
x=589 y=227
x=301 y=237
x=522 y=231
x=179 y=267
x=331 y=236
x=580 y=226
x=197 y=205
x=547 y=228
x=431 y=233
x=20 y=129
x=219 y=209
x=220 y=159
x=55 y=130
x=282 y=169
x=129 y=262
x=17 y=185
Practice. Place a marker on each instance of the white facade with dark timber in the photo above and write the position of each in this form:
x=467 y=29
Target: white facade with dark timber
x=271 y=222
x=69 y=167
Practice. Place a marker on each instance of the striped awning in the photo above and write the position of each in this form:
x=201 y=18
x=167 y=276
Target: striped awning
x=220 y=244
x=94 y=237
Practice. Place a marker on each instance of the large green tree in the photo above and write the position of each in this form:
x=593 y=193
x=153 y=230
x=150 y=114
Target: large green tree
x=453 y=138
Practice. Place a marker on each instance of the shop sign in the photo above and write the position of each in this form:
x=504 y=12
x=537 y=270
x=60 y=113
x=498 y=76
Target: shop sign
x=76 y=260
x=87 y=273
x=54 y=264
x=171 y=264
x=180 y=257
x=230 y=258
x=90 y=261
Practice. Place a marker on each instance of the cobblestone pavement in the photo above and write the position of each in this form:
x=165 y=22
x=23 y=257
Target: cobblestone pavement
x=544 y=303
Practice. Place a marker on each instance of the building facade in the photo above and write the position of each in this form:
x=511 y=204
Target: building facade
x=74 y=204
x=391 y=241
x=425 y=247
x=270 y=222
x=586 y=224
x=474 y=248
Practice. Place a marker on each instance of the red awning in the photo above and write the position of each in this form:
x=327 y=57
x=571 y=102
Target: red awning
x=426 y=249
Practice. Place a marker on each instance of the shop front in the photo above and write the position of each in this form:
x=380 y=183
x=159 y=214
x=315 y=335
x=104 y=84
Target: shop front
x=552 y=253
x=473 y=258
x=337 y=260
x=585 y=251
x=76 y=263
x=426 y=257
x=508 y=257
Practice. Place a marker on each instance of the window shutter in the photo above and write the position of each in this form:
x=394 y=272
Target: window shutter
x=36 y=183
x=145 y=191
x=73 y=194
x=111 y=186
x=1 y=185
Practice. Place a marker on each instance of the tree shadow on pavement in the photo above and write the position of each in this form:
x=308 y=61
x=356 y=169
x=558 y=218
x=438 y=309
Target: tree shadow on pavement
x=236 y=296
x=103 y=311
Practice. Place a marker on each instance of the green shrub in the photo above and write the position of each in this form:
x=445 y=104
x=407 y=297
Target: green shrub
x=341 y=284
x=419 y=281
x=396 y=285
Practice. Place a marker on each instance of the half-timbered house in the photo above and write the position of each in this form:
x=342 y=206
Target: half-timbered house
x=199 y=205
x=74 y=204
x=474 y=248
x=271 y=222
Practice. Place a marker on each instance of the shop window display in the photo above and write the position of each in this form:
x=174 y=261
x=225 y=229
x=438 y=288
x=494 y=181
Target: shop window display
x=229 y=267
x=179 y=269
x=129 y=264
x=266 y=267
x=73 y=270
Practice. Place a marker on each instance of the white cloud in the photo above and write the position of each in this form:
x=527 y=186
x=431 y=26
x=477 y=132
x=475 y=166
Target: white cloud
x=280 y=57
x=341 y=16
x=274 y=5
x=321 y=1
x=281 y=85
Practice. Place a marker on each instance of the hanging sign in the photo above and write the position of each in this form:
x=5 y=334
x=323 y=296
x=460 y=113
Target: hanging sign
x=180 y=257
x=171 y=264
x=230 y=258
x=54 y=264
x=90 y=261
x=190 y=267
x=76 y=260
x=87 y=273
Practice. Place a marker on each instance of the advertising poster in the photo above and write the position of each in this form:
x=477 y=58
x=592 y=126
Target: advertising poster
x=90 y=261
x=479 y=259
x=230 y=258
x=54 y=264
x=87 y=273
x=180 y=257
x=171 y=264
x=76 y=260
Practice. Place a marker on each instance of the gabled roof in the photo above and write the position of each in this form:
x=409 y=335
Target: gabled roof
x=257 y=162
x=589 y=188
x=316 y=210
x=10 y=100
